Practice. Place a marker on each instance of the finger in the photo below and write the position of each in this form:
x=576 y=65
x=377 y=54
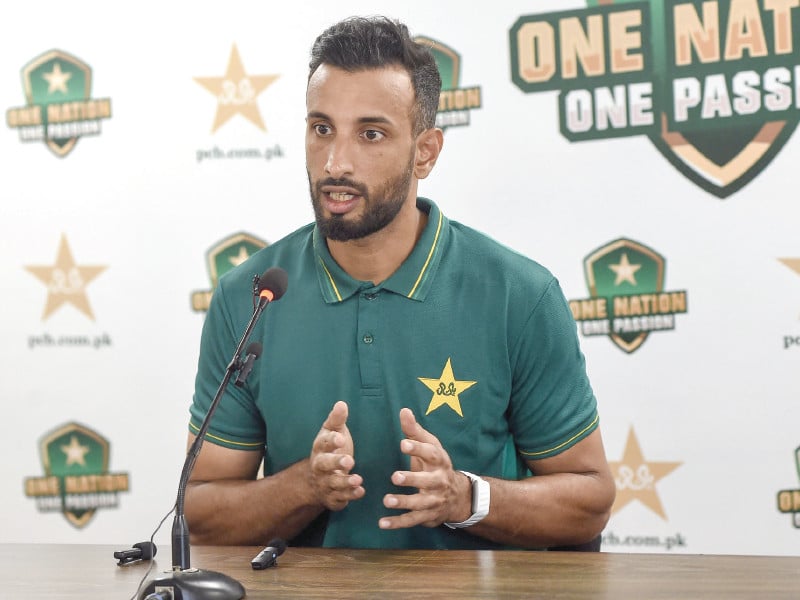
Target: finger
x=413 y=430
x=415 y=502
x=329 y=462
x=337 y=418
x=422 y=480
x=428 y=453
x=410 y=519
x=328 y=441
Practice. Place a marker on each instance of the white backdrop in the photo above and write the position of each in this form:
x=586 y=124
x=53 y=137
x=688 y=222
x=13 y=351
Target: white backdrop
x=711 y=404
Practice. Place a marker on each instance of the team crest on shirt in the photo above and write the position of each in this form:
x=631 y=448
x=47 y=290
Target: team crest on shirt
x=446 y=390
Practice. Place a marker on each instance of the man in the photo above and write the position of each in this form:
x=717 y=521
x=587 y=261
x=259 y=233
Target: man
x=413 y=364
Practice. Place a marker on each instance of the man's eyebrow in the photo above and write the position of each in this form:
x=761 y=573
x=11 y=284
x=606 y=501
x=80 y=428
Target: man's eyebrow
x=315 y=114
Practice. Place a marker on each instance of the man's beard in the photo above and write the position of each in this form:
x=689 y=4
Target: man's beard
x=378 y=211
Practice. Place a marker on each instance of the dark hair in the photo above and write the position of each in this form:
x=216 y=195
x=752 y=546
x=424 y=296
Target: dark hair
x=360 y=43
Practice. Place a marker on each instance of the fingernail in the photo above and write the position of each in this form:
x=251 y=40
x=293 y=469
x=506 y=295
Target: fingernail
x=399 y=478
x=406 y=446
x=391 y=501
x=383 y=523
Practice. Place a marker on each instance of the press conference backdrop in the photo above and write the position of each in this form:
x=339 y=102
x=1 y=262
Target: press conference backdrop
x=645 y=152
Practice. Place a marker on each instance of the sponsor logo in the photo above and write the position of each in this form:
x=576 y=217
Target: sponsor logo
x=791 y=341
x=789 y=500
x=455 y=102
x=236 y=92
x=76 y=481
x=59 y=109
x=66 y=282
x=636 y=478
x=713 y=84
x=628 y=301
x=221 y=258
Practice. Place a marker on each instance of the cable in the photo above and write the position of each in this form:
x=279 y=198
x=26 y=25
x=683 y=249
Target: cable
x=153 y=596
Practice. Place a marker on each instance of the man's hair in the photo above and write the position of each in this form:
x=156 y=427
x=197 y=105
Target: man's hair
x=359 y=43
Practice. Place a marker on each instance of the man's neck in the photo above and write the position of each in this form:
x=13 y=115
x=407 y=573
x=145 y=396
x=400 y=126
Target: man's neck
x=376 y=257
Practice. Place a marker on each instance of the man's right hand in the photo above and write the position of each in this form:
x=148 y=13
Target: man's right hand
x=331 y=461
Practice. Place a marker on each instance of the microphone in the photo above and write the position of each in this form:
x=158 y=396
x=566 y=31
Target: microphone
x=268 y=557
x=194 y=584
x=140 y=551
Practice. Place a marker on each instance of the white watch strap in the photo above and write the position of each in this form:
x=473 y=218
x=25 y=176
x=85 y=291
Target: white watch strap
x=480 y=502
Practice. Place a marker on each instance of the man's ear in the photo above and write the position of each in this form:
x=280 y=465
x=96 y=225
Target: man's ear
x=429 y=145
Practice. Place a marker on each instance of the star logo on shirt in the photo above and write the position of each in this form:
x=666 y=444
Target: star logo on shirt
x=66 y=281
x=636 y=478
x=236 y=92
x=446 y=390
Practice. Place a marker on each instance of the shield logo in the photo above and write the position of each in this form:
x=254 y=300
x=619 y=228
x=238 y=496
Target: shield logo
x=224 y=256
x=624 y=268
x=720 y=160
x=74 y=451
x=56 y=77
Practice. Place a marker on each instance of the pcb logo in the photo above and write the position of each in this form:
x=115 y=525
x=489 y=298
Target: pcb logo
x=455 y=102
x=224 y=256
x=628 y=301
x=711 y=83
x=789 y=500
x=59 y=108
x=77 y=481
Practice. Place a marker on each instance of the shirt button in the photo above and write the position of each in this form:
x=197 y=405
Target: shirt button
x=367 y=339
x=370 y=296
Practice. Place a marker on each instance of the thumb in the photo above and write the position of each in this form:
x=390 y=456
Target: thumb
x=337 y=418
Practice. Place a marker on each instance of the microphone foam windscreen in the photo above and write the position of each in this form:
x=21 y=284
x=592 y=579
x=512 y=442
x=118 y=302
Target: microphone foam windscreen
x=275 y=280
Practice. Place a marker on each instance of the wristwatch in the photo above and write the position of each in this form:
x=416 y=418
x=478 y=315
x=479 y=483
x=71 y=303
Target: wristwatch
x=480 y=502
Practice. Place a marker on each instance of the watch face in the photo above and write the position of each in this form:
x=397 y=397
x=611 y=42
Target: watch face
x=476 y=490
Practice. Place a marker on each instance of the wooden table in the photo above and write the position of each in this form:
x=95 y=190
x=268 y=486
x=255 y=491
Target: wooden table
x=52 y=571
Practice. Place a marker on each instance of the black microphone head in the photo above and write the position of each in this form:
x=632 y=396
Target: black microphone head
x=275 y=280
x=148 y=549
x=255 y=349
x=279 y=545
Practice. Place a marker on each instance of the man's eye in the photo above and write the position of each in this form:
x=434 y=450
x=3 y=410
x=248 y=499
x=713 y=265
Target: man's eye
x=373 y=135
x=322 y=129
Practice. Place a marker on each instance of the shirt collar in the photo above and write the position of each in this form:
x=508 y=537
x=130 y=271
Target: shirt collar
x=414 y=277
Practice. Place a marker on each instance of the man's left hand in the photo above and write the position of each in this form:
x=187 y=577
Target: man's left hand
x=444 y=495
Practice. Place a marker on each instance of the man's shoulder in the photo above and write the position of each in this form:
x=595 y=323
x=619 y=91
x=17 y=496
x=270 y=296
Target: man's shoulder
x=284 y=253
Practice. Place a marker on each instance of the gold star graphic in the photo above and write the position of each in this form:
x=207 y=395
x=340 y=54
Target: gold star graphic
x=236 y=92
x=625 y=271
x=75 y=452
x=239 y=258
x=446 y=390
x=636 y=478
x=66 y=281
x=56 y=80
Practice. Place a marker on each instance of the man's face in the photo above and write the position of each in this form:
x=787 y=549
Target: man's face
x=360 y=149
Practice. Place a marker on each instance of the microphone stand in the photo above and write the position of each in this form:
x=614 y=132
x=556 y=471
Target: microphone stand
x=197 y=584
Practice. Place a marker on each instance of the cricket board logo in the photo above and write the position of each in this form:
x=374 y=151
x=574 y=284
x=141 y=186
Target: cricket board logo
x=455 y=102
x=789 y=500
x=712 y=84
x=221 y=258
x=59 y=108
x=76 y=481
x=628 y=301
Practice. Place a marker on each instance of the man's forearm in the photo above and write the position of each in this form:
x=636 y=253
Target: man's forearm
x=240 y=512
x=546 y=510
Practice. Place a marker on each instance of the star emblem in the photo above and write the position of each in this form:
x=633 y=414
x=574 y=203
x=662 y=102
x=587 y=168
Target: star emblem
x=66 y=281
x=625 y=270
x=75 y=452
x=236 y=92
x=636 y=478
x=57 y=80
x=446 y=390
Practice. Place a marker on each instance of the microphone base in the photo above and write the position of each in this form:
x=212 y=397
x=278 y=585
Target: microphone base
x=195 y=584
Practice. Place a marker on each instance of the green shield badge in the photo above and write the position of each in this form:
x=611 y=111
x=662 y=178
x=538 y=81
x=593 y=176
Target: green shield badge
x=626 y=283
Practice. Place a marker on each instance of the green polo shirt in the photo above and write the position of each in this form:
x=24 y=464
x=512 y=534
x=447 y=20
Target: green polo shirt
x=476 y=339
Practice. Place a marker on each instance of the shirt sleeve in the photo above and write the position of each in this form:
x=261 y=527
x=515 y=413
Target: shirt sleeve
x=553 y=406
x=237 y=422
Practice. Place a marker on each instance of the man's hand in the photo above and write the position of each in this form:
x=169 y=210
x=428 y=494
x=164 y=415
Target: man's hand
x=444 y=495
x=331 y=460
